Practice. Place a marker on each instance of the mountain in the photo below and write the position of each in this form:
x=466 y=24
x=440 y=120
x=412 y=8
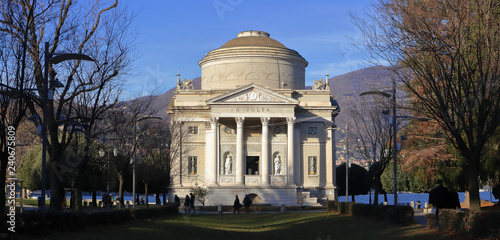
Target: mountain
x=345 y=89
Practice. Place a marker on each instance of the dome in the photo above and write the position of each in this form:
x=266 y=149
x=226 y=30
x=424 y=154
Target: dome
x=253 y=39
x=252 y=57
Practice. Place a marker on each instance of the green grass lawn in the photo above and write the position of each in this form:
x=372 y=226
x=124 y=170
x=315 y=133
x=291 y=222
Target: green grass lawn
x=285 y=226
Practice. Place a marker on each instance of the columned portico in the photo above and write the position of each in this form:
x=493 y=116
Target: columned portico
x=265 y=150
x=252 y=128
x=240 y=155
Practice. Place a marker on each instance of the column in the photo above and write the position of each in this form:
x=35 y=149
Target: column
x=211 y=152
x=265 y=150
x=239 y=151
x=291 y=159
x=296 y=154
x=330 y=155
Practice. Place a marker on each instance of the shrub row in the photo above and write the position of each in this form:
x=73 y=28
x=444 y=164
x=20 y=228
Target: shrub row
x=483 y=224
x=394 y=214
x=33 y=223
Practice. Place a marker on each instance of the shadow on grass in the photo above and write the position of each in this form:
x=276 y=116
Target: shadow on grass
x=303 y=225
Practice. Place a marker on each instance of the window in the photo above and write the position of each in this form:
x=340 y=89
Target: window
x=312 y=130
x=313 y=165
x=192 y=165
x=193 y=130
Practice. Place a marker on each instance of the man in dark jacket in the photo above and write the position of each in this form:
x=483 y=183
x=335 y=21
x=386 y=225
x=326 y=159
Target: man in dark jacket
x=236 y=205
x=247 y=202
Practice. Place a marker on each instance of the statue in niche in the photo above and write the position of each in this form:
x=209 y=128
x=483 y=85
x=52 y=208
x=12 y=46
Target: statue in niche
x=277 y=165
x=227 y=164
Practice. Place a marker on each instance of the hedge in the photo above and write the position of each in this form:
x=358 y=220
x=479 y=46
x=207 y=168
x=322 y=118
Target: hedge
x=32 y=222
x=482 y=224
x=394 y=214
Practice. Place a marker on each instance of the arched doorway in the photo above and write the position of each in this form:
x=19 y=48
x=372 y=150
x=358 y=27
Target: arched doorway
x=255 y=198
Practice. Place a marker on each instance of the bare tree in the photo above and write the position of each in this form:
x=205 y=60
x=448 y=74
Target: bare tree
x=15 y=75
x=449 y=50
x=125 y=125
x=374 y=139
x=96 y=28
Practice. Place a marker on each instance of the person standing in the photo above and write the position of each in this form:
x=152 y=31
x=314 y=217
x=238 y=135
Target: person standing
x=438 y=197
x=177 y=200
x=191 y=206
x=186 y=204
x=236 y=205
x=247 y=202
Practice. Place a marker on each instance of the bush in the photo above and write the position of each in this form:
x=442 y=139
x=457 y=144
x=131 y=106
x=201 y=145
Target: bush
x=394 y=214
x=484 y=224
x=32 y=222
x=451 y=220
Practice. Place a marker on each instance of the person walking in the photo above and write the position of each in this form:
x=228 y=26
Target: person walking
x=186 y=204
x=236 y=205
x=191 y=206
x=247 y=202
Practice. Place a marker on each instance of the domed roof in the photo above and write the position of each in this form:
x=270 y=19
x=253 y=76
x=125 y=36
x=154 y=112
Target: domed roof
x=253 y=39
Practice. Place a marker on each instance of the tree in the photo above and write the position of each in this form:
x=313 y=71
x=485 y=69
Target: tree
x=125 y=126
x=374 y=139
x=15 y=75
x=202 y=194
x=446 y=53
x=359 y=181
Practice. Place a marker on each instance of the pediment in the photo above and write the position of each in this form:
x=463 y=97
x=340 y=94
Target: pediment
x=252 y=94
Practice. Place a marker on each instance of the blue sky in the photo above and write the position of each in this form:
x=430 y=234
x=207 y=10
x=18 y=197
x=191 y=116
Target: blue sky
x=174 y=35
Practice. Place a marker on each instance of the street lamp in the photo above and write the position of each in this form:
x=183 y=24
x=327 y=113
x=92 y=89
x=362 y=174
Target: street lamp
x=133 y=161
x=54 y=58
x=101 y=154
x=394 y=130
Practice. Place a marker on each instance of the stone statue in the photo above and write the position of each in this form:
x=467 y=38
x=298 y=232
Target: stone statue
x=187 y=84
x=319 y=84
x=227 y=169
x=184 y=84
x=277 y=165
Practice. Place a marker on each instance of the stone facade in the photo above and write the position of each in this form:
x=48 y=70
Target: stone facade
x=253 y=129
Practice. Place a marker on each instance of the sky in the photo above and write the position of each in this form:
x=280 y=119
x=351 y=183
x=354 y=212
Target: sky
x=173 y=35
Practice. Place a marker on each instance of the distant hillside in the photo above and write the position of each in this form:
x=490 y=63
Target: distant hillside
x=345 y=88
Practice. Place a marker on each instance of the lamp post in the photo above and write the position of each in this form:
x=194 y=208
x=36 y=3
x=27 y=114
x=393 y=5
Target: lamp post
x=133 y=161
x=54 y=58
x=101 y=154
x=394 y=130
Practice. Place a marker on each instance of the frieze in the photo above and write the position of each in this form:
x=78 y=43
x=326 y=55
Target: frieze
x=251 y=97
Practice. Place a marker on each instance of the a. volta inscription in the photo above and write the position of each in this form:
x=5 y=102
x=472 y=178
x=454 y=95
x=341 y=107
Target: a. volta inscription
x=251 y=110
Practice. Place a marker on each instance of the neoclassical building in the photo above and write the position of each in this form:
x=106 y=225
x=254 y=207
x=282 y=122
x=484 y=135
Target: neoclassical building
x=253 y=128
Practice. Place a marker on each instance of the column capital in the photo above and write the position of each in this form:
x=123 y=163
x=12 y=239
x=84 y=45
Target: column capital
x=240 y=120
x=265 y=121
x=214 y=120
x=290 y=120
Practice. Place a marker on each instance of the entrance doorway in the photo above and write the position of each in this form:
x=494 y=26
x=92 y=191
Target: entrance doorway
x=252 y=165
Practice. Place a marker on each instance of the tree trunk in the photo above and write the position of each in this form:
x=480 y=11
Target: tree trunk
x=472 y=178
x=94 y=198
x=352 y=197
x=3 y=171
x=56 y=191
x=146 y=193
x=164 y=198
x=120 y=190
